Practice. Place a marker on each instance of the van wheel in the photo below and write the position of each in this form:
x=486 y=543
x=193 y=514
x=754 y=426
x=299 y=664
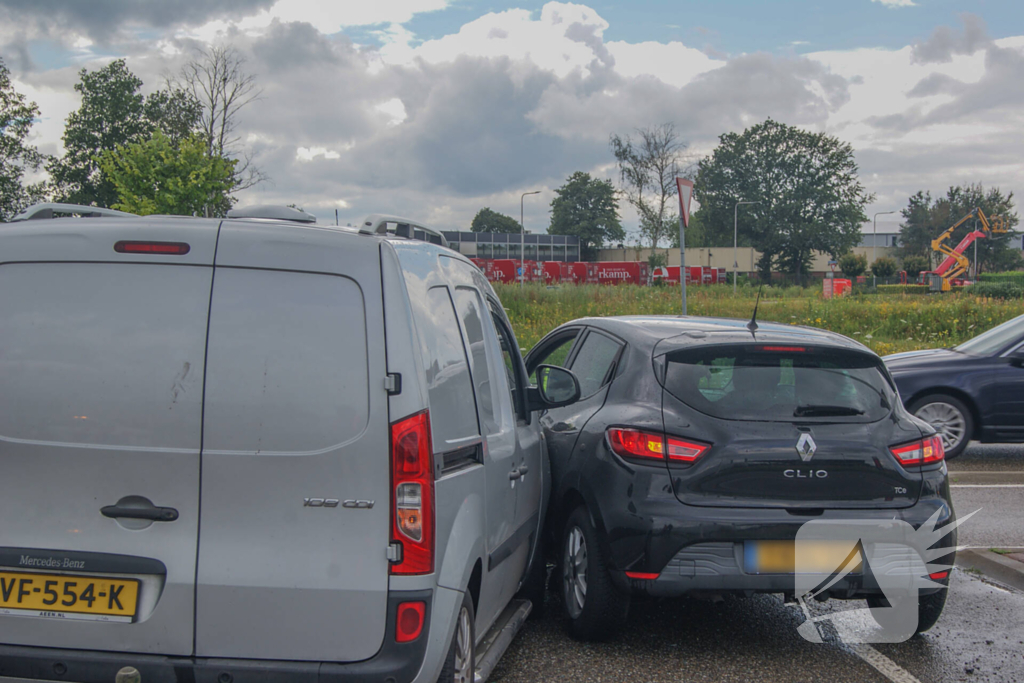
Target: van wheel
x=950 y=418
x=596 y=610
x=460 y=664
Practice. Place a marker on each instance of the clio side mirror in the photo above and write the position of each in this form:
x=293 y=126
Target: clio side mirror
x=556 y=387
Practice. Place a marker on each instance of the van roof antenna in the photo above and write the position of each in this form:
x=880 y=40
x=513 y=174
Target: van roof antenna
x=752 y=325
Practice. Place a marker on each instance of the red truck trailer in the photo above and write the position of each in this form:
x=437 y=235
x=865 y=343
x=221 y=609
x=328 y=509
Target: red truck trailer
x=622 y=272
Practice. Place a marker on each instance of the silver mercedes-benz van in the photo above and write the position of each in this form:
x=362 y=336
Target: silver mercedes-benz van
x=259 y=449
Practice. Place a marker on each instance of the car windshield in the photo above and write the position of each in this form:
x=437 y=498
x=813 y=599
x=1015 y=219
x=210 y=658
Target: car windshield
x=780 y=383
x=995 y=340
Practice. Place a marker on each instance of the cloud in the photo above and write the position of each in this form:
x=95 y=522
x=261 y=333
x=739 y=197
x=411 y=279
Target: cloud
x=897 y=3
x=944 y=42
x=518 y=100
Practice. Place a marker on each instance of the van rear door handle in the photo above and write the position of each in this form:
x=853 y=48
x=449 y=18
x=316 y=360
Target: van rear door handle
x=515 y=474
x=523 y=469
x=155 y=514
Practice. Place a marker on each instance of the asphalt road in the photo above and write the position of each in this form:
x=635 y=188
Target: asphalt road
x=980 y=636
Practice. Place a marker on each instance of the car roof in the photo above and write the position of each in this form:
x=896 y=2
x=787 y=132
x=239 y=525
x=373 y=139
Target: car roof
x=76 y=237
x=680 y=331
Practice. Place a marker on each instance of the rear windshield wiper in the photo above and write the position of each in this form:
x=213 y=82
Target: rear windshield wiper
x=825 y=411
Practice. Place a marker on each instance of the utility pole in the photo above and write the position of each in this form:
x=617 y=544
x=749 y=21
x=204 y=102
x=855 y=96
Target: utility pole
x=735 y=243
x=874 y=245
x=522 y=239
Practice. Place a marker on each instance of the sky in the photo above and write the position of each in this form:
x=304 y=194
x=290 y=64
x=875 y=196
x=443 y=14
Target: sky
x=433 y=109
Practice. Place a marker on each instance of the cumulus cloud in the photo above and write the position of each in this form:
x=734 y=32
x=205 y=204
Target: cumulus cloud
x=518 y=100
x=945 y=42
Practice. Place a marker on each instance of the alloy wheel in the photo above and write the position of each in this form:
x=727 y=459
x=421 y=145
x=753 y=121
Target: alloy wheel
x=574 y=572
x=947 y=420
x=464 y=648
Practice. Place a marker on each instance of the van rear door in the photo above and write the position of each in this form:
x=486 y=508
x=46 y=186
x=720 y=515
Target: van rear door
x=101 y=367
x=296 y=469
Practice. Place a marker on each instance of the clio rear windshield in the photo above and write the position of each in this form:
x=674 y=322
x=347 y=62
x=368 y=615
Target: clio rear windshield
x=780 y=383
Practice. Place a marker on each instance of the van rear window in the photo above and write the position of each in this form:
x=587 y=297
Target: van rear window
x=103 y=355
x=780 y=383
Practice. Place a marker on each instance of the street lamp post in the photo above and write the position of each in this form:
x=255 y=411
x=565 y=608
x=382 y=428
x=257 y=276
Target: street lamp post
x=874 y=245
x=522 y=238
x=735 y=242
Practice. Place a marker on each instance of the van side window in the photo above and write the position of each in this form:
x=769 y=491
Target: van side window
x=449 y=386
x=471 y=311
x=509 y=353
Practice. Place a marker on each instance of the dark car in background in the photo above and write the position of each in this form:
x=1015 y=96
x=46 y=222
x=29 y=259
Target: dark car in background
x=698 y=448
x=971 y=391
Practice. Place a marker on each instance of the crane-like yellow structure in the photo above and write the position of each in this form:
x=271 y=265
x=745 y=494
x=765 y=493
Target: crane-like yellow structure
x=956 y=264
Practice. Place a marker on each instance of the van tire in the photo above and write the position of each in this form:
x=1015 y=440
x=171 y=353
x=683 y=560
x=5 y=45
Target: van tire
x=604 y=609
x=456 y=669
x=535 y=584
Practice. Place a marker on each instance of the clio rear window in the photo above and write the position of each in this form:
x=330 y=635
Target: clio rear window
x=779 y=383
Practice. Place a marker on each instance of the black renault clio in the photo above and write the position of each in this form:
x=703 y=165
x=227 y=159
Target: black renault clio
x=700 y=446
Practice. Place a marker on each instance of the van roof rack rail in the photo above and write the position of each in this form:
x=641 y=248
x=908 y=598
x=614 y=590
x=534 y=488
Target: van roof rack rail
x=48 y=209
x=273 y=212
x=378 y=224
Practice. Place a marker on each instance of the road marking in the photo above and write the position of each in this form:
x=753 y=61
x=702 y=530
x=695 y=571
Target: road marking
x=986 y=486
x=885 y=666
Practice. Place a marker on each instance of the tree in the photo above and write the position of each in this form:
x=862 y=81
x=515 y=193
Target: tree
x=216 y=78
x=648 y=168
x=587 y=208
x=853 y=265
x=16 y=117
x=808 y=195
x=486 y=220
x=112 y=113
x=914 y=265
x=884 y=267
x=173 y=112
x=924 y=220
x=155 y=176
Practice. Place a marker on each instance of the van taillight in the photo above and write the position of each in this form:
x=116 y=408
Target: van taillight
x=172 y=248
x=412 y=494
x=636 y=444
x=923 y=452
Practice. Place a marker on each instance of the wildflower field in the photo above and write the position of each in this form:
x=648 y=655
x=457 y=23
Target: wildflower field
x=887 y=323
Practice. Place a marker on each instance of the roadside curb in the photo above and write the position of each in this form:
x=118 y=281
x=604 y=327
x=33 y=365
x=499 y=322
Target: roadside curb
x=993 y=565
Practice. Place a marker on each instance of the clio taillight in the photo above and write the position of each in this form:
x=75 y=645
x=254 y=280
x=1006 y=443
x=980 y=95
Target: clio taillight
x=636 y=444
x=926 y=451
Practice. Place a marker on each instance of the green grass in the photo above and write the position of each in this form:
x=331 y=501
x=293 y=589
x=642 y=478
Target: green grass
x=887 y=323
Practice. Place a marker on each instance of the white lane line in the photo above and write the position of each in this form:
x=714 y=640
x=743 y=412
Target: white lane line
x=986 y=486
x=885 y=666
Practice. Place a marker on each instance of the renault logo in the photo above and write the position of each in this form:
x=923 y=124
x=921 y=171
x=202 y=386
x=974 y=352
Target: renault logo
x=806 y=447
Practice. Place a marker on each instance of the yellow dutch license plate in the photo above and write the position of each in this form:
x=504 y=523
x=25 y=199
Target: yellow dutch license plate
x=65 y=596
x=780 y=557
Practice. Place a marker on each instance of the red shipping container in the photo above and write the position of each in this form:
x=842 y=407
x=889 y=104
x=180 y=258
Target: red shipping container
x=581 y=273
x=552 y=271
x=503 y=270
x=619 y=272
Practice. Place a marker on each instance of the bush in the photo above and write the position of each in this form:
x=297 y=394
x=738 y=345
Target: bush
x=1013 y=276
x=853 y=265
x=884 y=267
x=903 y=289
x=915 y=264
x=997 y=290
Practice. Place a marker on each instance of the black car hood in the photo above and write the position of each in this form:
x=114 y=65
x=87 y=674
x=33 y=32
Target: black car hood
x=917 y=359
